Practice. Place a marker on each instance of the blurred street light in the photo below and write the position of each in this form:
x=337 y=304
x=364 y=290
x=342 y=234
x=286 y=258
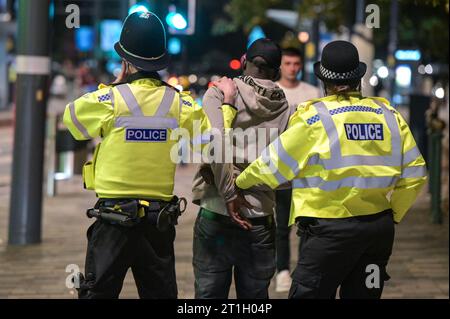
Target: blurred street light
x=421 y=69
x=373 y=80
x=439 y=93
x=173 y=80
x=303 y=37
x=192 y=78
x=235 y=64
x=176 y=21
x=403 y=75
x=408 y=55
x=255 y=34
x=181 y=17
x=202 y=81
x=174 y=46
x=383 y=72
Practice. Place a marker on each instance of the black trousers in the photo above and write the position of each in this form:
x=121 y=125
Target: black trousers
x=350 y=253
x=222 y=249
x=282 y=213
x=113 y=249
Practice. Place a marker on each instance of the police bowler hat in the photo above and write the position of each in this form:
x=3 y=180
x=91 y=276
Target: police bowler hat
x=340 y=63
x=143 y=42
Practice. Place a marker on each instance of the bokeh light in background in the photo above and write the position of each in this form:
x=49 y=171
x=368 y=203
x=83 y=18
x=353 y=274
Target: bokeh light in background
x=421 y=69
x=173 y=80
x=174 y=46
x=439 y=93
x=192 y=78
x=255 y=34
x=235 y=64
x=176 y=21
x=202 y=81
x=403 y=75
x=373 y=80
x=303 y=37
x=383 y=72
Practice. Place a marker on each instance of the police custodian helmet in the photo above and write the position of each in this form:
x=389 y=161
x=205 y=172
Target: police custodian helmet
x=143 y=42
x=340 y=63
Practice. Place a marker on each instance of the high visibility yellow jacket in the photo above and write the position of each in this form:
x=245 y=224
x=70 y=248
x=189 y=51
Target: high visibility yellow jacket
x=345 y=156
x=135 y=120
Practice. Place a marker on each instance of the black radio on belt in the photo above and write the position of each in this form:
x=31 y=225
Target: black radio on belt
x=129 y=213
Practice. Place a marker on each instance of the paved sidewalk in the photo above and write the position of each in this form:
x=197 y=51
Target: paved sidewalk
x=419 y=265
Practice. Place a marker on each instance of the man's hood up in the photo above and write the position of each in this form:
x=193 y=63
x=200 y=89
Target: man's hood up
x=263 y=98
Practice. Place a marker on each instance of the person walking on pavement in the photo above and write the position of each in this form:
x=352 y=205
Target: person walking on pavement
x=355 y=169
x=296 y=92
x=132 y=171
x=247 y=247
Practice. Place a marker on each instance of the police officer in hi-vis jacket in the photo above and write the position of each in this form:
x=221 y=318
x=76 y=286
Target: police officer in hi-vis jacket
x=132 y=171
x=355 y=170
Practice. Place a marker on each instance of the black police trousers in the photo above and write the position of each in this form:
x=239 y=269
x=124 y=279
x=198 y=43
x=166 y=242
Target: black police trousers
x=282 y=213
x=349 y=253
x=221 y=249
x=113 y=249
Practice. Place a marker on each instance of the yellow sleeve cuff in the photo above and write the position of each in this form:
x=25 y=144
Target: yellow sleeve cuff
x=241 y=181
x=102 y=86
x=229 y=113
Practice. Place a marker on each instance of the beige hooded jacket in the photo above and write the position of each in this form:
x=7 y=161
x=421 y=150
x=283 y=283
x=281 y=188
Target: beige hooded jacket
x=262 y=115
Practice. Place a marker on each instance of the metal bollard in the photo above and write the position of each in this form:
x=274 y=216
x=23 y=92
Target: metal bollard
x=435 y=135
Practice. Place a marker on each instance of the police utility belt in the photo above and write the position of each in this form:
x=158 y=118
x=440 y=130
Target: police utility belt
x=130 y=212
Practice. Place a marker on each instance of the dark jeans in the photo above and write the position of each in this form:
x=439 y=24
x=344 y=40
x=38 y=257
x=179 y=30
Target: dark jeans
x=283 y=208
x=349 y=252
x=113 y=249
x=223 y=248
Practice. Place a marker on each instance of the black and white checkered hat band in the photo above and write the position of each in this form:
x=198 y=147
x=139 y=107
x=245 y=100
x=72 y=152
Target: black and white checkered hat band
x=338 y=76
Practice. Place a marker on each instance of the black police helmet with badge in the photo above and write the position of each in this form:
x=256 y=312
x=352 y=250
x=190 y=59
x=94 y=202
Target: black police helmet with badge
x=340 y=64
x=143 y=42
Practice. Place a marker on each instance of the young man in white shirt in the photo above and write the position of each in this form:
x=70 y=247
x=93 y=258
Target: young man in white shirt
x=296 y=92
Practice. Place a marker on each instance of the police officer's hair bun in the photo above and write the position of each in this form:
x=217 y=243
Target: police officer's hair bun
x=342 y=89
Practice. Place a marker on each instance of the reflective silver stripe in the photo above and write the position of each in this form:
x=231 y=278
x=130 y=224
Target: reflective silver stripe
x=146 y=122
x=330 y=128
x=414 y=171
x=396 y=142
x=338 y=161
x=111 y=95
x=166 y=102
x=353 y=182
x=129 y=99
x=77 y=123
x=315 y=160
x=411 y=155
x=265 y=156
x=33 y=64
x=285 y=157
x=141 y=57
